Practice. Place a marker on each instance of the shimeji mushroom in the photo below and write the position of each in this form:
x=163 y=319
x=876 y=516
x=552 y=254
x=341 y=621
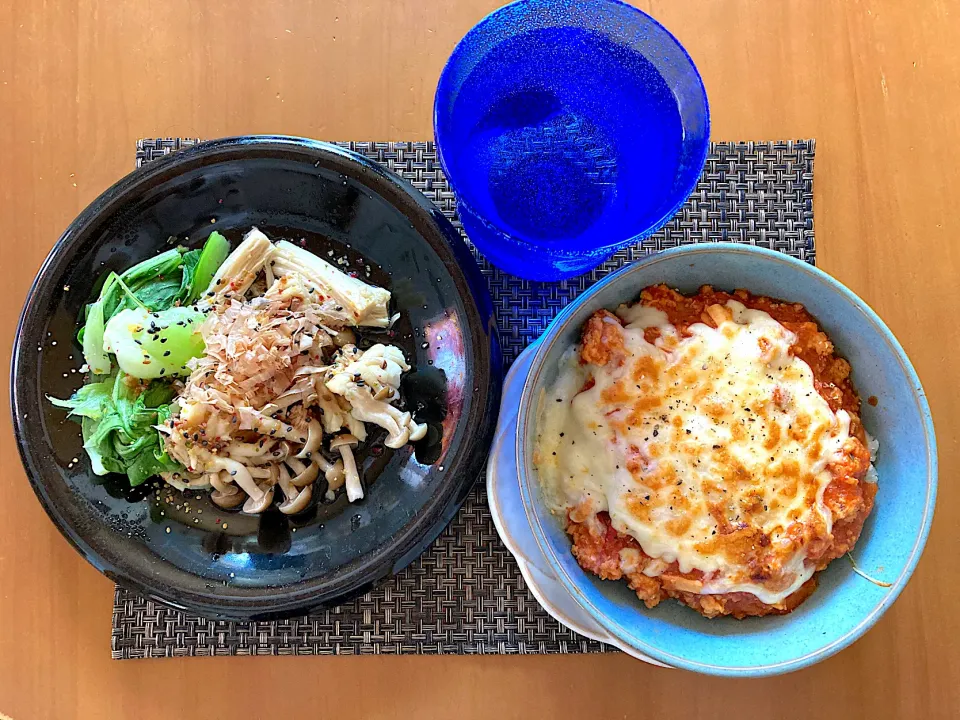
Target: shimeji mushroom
x=368 y=381
x=306 y=474
x=296 y=499
x=258 y=499
x=332 y=472
x=225 y=493
x=314 y=440
x=356 y=427
x=335 y=477
x=400 y=426
x=345 y=444
x=333 y=415
x=186 y=481
x=301 y=391
x=254 y=506
x=303 y=474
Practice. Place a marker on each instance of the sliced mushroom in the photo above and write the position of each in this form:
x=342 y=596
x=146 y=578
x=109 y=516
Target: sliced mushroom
x=345 y=444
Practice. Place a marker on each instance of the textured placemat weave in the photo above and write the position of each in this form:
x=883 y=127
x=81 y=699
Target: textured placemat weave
x=465 y=594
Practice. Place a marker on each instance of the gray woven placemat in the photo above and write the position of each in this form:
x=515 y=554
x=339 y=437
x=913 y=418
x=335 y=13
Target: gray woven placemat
x=465 y=594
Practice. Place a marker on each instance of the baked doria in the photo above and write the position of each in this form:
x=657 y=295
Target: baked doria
x=707 y=448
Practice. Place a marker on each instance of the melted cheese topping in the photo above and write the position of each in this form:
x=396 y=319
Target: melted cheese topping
x=712 y=450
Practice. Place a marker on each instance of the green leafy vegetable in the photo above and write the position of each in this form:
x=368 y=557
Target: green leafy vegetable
x=144 y=316
x=173 y=278
x=93 y=351
x=214 y=252
x=89 y=400
x=189 y=270
x=118 y=418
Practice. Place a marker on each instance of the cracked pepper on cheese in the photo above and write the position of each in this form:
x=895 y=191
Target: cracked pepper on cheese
x=707 y=448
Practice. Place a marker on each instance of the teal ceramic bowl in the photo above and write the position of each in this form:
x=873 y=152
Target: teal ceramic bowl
x=846 y=605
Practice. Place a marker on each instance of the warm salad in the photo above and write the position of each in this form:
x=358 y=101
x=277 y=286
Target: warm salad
x=238 y=372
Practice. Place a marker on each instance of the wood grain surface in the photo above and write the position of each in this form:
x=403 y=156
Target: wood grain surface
x=876 y=83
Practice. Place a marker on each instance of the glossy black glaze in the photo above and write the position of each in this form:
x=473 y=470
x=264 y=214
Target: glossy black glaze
x=223 y=563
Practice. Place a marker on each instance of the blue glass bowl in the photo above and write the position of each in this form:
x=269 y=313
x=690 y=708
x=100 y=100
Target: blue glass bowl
x=845 y=605
x=568 y=129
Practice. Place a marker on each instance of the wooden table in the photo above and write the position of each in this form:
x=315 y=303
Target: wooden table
x=876 y=83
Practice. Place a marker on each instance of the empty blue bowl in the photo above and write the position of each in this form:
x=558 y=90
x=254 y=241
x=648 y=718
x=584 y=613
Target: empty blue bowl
x=845 y=605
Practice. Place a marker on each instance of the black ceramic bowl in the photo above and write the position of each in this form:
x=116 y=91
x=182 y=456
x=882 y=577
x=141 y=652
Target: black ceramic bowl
x=222 y=563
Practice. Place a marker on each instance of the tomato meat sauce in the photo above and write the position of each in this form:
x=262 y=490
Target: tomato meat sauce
x=611 y=555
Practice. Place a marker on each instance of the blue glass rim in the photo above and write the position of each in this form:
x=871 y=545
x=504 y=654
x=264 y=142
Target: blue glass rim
x=476 y=31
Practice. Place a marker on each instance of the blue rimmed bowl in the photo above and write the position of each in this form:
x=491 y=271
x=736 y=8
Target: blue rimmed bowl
x=846 y=605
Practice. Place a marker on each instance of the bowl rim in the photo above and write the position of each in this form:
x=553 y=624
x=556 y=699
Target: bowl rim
x=461 y=47
x=526 y=421
x=391 y=556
